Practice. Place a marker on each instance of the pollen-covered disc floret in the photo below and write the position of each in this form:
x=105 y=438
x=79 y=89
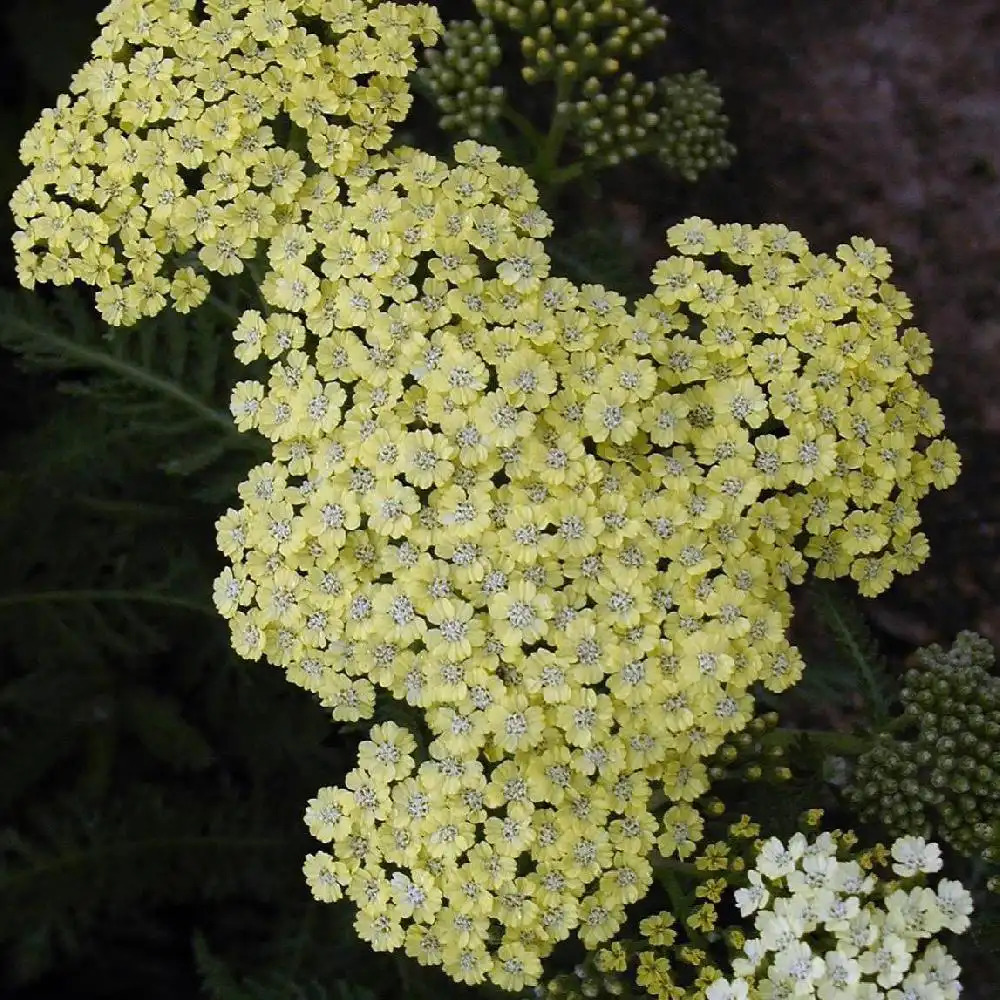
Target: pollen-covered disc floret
x=561 y=528
x=190 y=133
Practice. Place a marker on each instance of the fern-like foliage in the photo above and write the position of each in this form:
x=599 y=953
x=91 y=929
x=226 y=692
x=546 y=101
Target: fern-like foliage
x=74 y=864
x=280 y=982
x=164 y=382
x=851 y=662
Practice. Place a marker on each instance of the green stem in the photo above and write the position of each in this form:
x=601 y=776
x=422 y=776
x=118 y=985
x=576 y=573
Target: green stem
x=523 y=126
x=98 y=360
x=680 y=907
x=256 y=269
x=842 y=744
x=548 y=156
x=560 y=175
x=93 y=594
x=897 y=724
x=845 y=631
x=681 y=867
x=225 y=308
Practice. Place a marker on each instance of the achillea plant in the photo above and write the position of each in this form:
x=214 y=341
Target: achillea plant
x=558 y=527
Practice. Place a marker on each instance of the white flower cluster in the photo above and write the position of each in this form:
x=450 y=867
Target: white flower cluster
x=827 y=928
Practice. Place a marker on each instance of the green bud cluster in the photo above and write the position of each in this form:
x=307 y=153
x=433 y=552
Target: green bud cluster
x=747 y=755
x=457 y=76
x=585 y=982
x=608 y=115
x=679 y=118
x=690 y=136
x=576 y=39
x=940 y=774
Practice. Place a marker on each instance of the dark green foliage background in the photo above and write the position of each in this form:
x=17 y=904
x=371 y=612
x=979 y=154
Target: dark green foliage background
x=151 y=783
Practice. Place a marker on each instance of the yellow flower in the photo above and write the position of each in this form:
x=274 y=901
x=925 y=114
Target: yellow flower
x=694 y=236
x=610 y=415
x=527 y=379
x=939 y=464
x=704 y=918
x=862 y=257
x=523 y=263
x=653 y=975
x=456 y=633
x=245 y=403
x=873 y=575
x=439 y=528
x=188 y=289
x=911 y=553
x=676 y=279
x=808 y=453
x=658 y=929
x=515 y=967
x=390 y=508
x=612 y=959
x=325 y=876
x=426 y=459
x=684 y=780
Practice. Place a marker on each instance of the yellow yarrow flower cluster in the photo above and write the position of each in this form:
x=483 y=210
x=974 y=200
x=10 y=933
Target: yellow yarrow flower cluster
x=560 y=528
x=192 y=131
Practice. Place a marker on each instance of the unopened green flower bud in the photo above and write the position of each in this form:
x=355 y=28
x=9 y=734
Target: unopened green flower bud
x=984 y=831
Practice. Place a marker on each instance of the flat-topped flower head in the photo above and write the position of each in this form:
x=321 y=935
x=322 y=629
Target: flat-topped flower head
x=188 y=137
x=486 y=530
